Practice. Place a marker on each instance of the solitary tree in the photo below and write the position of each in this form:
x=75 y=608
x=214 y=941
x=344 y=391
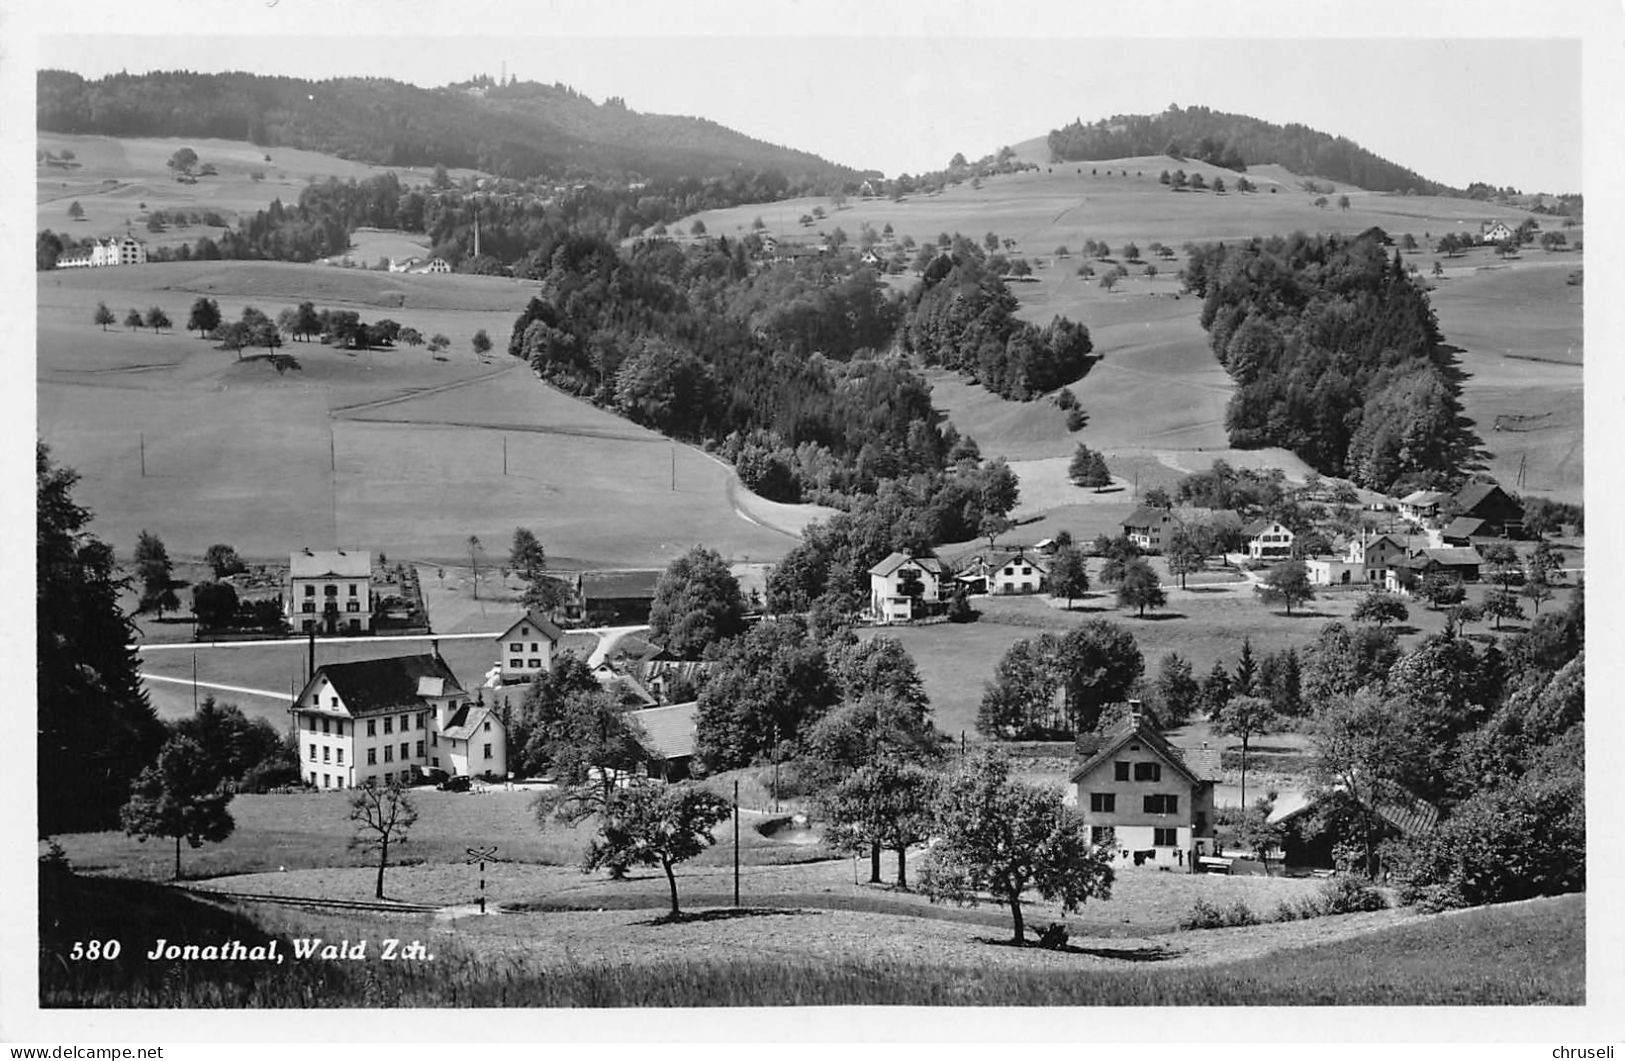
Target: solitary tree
x=104 y=316
x=1068 y=574
x=475 y=551
x=75 y=211
x=1140 y=587
x=1183 y=554
x=1287 y=584
x=1342 y=202
x=203 y=317
x=382 y=817
x=182 y=162
x=884 y=805
x=656 y=825
x=1502 y=603
x=223 y=559
x=1380 y=608
x=482 y=343
x=1088 y=468
x=1004 y=838
x=1536 y=589
x=1245 y=717
x=180 y=795
x=1441 y=590
x=152 y=567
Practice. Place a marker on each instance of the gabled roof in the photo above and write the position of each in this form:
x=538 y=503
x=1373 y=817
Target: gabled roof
x=1453 y=557
x=370 y=685
x=668 y=732
x=1394 y=804
x=997 y=563
x=1259 y=526
x=545 y=626
x=926 y=561
x=579 y=644
x=1463 y=527
x=329 y=564
x=468 y=720
x=1473 y=494
x=1424 y=497
x=1145 y=516
x=636 y=647
x=1128 y=730
x=619 y=585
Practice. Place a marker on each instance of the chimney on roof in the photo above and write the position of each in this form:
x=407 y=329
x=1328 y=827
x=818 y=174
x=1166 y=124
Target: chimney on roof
x=1134 y=713
x=434 y=647
x=308 y=552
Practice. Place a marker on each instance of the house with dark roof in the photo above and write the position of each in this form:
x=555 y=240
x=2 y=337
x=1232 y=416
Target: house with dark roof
x=1462 y=530
x=1150 y=801
x=667 y=735
x=1023 y=571
x=1453 y=561
x=330 y=592
x=1422 y=506
x=1502 y=516
x=1149 y=527
x=612 y=598
x=906 y=586
x=525 y=648
x=1313 y=823
x=381 y=720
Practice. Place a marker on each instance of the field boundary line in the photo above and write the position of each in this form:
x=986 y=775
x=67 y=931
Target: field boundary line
x=424 y=393
x=243 y=690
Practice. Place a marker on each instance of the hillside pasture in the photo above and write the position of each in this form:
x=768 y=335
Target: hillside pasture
x=115 y=175
x=395 y=450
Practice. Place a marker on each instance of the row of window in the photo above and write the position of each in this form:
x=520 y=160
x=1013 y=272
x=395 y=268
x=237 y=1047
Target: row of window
x=1106 y=803
x=329 y=590
x=516 y=663
x=1100 y=834
x=519 y=646
x=1142 y=771
x=351 y=606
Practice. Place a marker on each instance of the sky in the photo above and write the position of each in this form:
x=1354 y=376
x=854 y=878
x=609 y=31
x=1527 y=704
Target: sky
x=903 y=94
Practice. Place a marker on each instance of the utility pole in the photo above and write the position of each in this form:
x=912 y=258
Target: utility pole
x=504 y=456
x=143 y=454
x=194 y=683
x=674 y=469
x=736 y=842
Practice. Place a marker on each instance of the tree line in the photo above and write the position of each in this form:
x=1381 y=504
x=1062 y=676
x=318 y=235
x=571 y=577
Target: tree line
x=1336 y=356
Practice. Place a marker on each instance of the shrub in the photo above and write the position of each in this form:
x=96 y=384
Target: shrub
x=1239 y=914
x=1346 y=895
x=1076 y=418
x=1053 y=936
x=1286 y=911
x=1203 y=915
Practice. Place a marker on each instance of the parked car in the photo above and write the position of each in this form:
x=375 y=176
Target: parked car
x=460 y=783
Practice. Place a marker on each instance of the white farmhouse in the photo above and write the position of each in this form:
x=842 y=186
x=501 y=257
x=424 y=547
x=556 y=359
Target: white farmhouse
x=904 y=587
x=330 y=592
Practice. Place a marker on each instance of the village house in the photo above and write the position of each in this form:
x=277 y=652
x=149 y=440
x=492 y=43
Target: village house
x=405 y=265
x=382 y=720
x=666 y=735
x=525 y=648
x=904 y=587
x=1455 y=562
x=1267 y=540
x=1311 y=826
x=1422 y=506
x=1154 y=803
x=433 y=265
x=330 y=592
x=1149 y=527
x=1023 y=572
x=1366 y=560
x=1495 y=232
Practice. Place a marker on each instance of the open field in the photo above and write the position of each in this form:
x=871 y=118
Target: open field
x=1158 y=396
x=116 y=175
x=817 y=953
x=394 y=450
x=1204 y=624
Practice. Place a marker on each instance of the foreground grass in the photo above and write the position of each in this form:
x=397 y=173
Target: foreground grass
x=1524 y=954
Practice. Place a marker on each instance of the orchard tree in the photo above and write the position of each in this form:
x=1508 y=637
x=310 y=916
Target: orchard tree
x=134 y=320
x=697 y=603
x=1342 y=202
x=382 y=816
x=1183 y=554
x=1245 y=717
x=214 y=604
x=1088 y=468
x=1441 y=590
x=223 y=560
x=157 y=319
x=1502 y=603
x=1068 y=574
x=1380 y=608
x=653 y=824
x=75 y=211
x=882 y=806
x=526 y=557
x=179 y=796
x=105 y=316
x=1287 y=584
x=1004 y=838
x=152 y=567
x=1140 y=588
x=482 y=343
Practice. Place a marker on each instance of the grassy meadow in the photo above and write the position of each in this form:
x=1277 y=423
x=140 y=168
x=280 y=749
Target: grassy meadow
x=396 y=450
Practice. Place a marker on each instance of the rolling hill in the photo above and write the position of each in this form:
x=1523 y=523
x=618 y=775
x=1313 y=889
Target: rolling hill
x=520 y=129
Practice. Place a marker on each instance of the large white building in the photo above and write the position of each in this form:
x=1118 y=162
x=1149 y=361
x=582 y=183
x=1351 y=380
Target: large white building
x=106 y=252
x=330 y=592
x=374 y=721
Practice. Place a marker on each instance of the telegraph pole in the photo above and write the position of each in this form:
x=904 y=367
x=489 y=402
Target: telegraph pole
x=143 y=454
x=736 y=843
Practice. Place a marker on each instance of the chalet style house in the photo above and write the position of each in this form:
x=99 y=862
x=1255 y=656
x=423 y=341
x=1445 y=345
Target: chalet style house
x=1367 y=560
x=1141 y=794
x=1268 y=540
x=1023 y=572
x=330 y=592
x=525 y=649
x=1497 y=515
x=1149 y=528
x=611 y=598
x=382 y=720
x=904 y=587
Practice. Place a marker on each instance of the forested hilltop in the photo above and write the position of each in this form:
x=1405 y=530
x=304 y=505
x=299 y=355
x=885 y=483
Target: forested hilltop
x=512 y=129
x=1336 y=356
x=1236 y=141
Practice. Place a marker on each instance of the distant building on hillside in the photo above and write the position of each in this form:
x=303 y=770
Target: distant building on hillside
x=1495 y=231
x=904 y=587
x=434 y=265
x=106 y=252
x=1149 y=527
